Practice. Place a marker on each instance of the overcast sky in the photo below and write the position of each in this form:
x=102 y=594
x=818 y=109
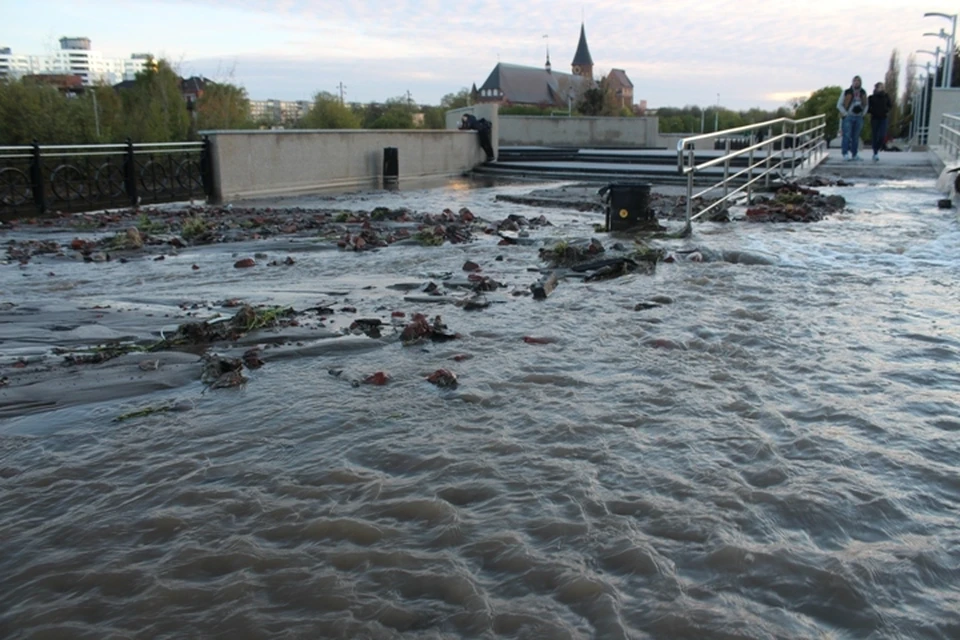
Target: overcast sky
x=676 y=52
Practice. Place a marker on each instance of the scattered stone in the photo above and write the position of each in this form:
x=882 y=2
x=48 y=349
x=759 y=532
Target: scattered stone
x=419 y=329
x=251 y=358
x=379 y=378
x=471 y=266
x=474 y=303
x=533 y=340
x=195 y=267
x=945 y=203
x=545 y=286
x=443 y=378
x=245 y=263
x=134 y=239
x=565 y=254
x=149 y=365
x=218 y=372
x=367 y=326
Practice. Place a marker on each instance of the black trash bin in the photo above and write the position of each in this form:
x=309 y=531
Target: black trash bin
x=391 y=165
x=627 y=205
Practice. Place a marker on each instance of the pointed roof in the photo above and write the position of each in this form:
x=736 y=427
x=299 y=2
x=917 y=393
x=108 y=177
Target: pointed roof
x=582 y=57
x=619 y=77
x=532 y=85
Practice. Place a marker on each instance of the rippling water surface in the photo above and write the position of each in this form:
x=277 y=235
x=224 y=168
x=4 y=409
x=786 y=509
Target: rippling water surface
x=776 y=454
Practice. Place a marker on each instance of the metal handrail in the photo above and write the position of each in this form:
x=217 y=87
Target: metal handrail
x=120 y=146
x=950 y=134
x=807 y=136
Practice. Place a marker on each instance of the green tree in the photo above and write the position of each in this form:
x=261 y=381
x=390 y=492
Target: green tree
x=33 y=111
x=823 y=101
x=891 y=83
x=223 y=106
x=328 y=113
x=154 y=108
x=396 y=114
x=456 y=100
x=434 y=118
x=598 y=100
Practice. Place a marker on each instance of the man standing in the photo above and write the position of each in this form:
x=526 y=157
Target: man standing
x=879 y=108
x=852 y=106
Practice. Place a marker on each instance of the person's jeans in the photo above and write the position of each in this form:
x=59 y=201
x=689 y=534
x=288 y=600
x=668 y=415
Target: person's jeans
x=878 y=129
x=852 y=126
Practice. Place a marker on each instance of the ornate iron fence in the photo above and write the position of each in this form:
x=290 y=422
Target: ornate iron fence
x=41 y=179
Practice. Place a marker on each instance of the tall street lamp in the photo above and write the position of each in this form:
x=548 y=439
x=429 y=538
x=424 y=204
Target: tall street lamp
x=936 y=65
x=952 y=43
x=936 y=61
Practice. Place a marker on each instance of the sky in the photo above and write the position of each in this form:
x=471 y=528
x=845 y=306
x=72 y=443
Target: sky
x=742 y=53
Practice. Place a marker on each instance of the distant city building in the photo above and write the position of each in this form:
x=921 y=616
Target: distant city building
x=622 y=88
x=69 y=85
x=282 y=112
x=513 y=84
x=75 y=58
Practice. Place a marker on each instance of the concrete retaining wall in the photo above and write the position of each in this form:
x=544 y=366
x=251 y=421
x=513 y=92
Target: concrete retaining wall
x=583 y=132
x=943 y=101
x=250 y=164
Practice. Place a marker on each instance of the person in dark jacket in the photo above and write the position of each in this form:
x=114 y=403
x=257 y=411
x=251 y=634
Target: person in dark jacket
x=483 y=129
x=852 y=106
x=879 y=108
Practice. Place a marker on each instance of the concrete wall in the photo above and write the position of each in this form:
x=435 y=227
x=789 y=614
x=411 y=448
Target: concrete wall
x=669 y=141
x=563 y=131
x=943 y=101
x=250 y=164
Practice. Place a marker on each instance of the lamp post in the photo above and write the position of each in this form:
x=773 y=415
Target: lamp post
x=920 y=110
x=716 y=116
x=936 y=61
x=946 y=62
x=951 y=42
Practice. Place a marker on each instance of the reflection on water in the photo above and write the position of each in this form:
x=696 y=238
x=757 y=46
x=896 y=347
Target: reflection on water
x=773 y=455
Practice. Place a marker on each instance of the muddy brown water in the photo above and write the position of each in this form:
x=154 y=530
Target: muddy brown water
x=775 y=454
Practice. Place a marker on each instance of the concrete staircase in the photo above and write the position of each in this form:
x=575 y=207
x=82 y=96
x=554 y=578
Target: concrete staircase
x=658 y=166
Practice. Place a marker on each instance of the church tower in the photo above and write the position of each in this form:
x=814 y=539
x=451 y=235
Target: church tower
x=582 y=62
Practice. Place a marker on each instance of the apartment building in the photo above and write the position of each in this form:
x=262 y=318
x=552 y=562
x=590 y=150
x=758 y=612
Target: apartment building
x=75 y=57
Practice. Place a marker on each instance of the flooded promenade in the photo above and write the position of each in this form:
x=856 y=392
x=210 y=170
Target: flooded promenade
x=762 y=448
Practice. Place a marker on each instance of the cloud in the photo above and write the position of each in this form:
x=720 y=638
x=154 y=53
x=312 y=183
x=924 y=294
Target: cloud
x=676 y=52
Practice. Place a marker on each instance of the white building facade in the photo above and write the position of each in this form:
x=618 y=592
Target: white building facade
x=281 y=112
x=75 y=57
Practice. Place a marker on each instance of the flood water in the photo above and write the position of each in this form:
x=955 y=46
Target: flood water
x=776 y=454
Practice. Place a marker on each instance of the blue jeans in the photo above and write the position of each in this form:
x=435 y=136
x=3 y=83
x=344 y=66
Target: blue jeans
x=878 y=129
x=852 y=126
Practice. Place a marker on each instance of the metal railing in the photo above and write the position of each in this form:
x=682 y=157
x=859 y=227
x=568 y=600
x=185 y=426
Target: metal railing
x=762 y=155
x=949 y=138
x=39 y=179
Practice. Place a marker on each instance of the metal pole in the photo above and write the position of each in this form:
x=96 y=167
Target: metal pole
x=951 y=52
x=96 y=113
x=716 y=116
x=726 y=171
x=689 y=228
x=793 y=140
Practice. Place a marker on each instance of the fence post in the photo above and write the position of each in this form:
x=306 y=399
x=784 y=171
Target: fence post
x=753 y=141
x=36 y=179
x=726 y=171
x=130 y=174
x=206 y=167
x=688 y=230
x=793 y=161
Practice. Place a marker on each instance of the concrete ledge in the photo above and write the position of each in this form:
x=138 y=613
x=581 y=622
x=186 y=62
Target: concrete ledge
x=249 y=164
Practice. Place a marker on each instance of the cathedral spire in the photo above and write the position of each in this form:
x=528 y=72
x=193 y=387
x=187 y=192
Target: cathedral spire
x=582 y=61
